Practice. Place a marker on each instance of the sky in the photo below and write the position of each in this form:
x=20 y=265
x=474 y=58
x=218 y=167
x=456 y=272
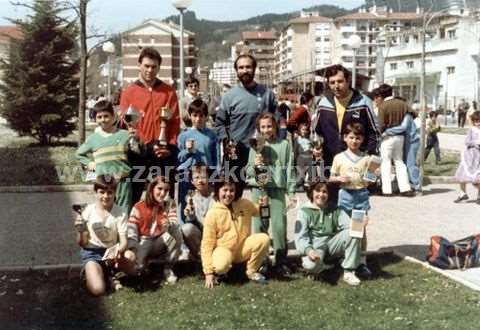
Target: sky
x=111 y=16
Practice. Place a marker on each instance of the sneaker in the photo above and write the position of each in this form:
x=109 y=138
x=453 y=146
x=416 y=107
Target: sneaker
x=461 y=198
x=350 y=278
x=184 y=256
x=283 y=270
x=170 y=276
x=257 y=278
x=115 y=284
x=363 y=271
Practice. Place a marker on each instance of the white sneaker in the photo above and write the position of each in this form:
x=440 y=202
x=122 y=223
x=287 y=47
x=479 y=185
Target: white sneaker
x=170 y=276
x=350 y=278
x=184 y=256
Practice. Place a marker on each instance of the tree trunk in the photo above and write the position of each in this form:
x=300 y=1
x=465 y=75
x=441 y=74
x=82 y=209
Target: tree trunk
x=83 y=71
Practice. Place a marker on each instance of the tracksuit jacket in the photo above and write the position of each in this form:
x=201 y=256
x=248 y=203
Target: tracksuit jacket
x=360 y=109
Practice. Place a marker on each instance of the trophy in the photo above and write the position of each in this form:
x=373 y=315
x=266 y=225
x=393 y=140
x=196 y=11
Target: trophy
x=228 y=142
x=190 y=206
x=165 y=115
x=79 y=225
x=262 y=176
x=131 y=118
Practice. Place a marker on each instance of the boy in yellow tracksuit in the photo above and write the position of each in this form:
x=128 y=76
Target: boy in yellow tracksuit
x=227 y=236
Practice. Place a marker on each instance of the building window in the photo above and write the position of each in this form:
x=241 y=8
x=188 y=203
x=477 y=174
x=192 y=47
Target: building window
x=326 y=39
x=450 y=69
x=393 y=66
x=451 y=34
x=318 y=39
x=409 y=64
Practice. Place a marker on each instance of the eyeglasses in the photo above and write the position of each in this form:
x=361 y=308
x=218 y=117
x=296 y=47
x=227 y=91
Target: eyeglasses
x=192 y=86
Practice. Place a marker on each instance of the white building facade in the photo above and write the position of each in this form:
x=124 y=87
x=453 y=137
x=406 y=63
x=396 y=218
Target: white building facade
x=452 y=62
x=223 y=73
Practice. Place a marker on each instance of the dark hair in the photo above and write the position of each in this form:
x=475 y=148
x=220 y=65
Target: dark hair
x=384 y=91
x=198 y=106
x=355 y=128
x=103 y=106
x=475 y=116
x=150 y=52
x=199 y=166
x=432 y=114
x=254 y=61
x=227 y=85
x=149 y=199
x=219 y=183
x=106 y=182
x=334 y=69
x=267 y=115
x=191 y=80
x=316 y=185
x=305 y=97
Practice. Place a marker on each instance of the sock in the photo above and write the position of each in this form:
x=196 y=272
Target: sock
x=363 y=260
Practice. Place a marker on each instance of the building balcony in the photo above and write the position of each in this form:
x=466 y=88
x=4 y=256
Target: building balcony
x=347 y=29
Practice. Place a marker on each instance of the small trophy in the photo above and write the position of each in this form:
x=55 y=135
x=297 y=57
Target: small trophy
x=190 y=206
x=262 y=176
x=80 y=226
x=165 y=115
x=131 y=118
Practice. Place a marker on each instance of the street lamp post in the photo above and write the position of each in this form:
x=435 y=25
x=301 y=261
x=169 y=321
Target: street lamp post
x=181 y=6
x=109 y=48
x=423 y=111
x=354 y=42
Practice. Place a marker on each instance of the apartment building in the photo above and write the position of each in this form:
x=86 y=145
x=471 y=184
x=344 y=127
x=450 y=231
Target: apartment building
x=452 y=61
x=261 y=45
x=223 y=72
x=303 y=46
x=7 y=32
x=163 y=36
x=371 y=26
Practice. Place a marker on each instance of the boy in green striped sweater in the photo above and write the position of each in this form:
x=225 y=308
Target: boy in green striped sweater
x=105 y=152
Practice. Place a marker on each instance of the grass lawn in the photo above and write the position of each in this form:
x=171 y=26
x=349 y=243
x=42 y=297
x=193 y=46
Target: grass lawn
x=447 y=166
x=402 y=295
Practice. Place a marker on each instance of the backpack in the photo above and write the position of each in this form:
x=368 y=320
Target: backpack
x=461 y=254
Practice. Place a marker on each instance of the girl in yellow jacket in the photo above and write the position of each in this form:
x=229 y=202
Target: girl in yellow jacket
x=227 y=236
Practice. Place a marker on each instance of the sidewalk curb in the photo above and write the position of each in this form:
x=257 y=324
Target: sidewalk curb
x=425 y=264
x=439 y=179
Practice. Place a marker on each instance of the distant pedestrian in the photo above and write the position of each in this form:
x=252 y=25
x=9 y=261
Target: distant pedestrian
x=462 y=110
x=433 y=127
x=469 y=169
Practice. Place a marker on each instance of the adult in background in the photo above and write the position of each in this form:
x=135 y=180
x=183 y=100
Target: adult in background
x=148 y=95
x=391 y=112
x=191 y=94
x=301 y=115
x=342 y=105
x=462 y=110
x=238 y=110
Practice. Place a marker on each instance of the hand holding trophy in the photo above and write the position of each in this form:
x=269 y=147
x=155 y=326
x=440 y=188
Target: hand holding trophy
x=131 y=118
x=190 y=208
x=79 y=222
x=262 y=176
x=161 y=145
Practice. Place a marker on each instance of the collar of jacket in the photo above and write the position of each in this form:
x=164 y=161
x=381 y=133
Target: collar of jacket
x=331 y=97
x=157 y=83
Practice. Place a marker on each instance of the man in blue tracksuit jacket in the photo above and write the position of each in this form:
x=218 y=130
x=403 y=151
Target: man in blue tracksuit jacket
x=340 y=106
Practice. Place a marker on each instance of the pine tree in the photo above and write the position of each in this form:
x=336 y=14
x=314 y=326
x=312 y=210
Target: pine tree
x=40 y=82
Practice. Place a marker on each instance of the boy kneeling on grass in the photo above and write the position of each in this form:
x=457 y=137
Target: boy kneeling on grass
x=102 y=236
x=322 y=232
x=227 y=235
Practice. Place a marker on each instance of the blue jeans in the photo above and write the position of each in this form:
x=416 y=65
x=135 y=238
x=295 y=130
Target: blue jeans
x=412 y=168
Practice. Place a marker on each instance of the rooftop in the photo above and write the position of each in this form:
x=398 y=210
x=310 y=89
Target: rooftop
x=7 y=32
x=310 y=19
x=249 y=35
x=381 y=16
